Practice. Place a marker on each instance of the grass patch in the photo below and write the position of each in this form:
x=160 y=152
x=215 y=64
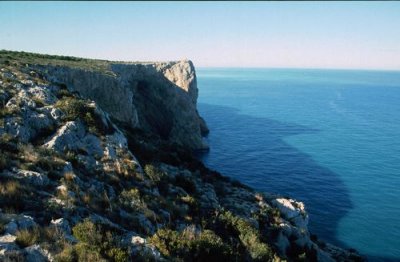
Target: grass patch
x=23 y=58
x=27 y=237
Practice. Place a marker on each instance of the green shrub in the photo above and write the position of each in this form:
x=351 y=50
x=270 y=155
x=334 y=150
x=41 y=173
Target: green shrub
x=118 y=254
x=86 y=252
x=249 y=237
x=191 y=245
x=154 y=173
x=75 y=108
x=68 y=254
x=72 y=107
x=63 y=92
x=130 y=198
x=88 y=232
x=97 y=243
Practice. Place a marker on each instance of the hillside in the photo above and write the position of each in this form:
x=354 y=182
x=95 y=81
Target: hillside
x=96 y=164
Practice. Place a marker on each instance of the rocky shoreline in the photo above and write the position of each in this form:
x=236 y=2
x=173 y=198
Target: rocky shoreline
x=96 y=165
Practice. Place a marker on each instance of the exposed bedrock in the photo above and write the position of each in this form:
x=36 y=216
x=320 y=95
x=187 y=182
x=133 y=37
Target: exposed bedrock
x=156 y=97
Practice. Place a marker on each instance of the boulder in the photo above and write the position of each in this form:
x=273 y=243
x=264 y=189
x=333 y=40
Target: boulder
x=31 y=177
x=72 y=136
x=8 y=247
x=19 y=222
x=42 y=93
x=139 y=246
x=37 y=254
x=293 y=211
x=28 y=126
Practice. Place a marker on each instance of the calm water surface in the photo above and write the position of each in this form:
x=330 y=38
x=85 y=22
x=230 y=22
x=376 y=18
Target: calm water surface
x=329 y=138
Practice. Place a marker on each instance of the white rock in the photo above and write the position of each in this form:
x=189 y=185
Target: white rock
x=62 y=224
x=57 y=201
x=7 y=238
x=62 y=188
x=56 y=113
x=37 y=254
x=293 y=211
x=72 y=136
x=136 y=240
x=34 y=178
x=42 y=93
x=27 y=82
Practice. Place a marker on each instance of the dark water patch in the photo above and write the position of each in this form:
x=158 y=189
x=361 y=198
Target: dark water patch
x=262 y=159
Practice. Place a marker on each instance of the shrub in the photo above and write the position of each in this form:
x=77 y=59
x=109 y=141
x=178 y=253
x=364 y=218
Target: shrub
x=86 y=252
x=27 y=237
x=154 y=173
x=229 y=224
x=75 y=108
x=97 y=243
x=88 y=232
x=130 y=198
x=68 y=254
x=118 y=254
x=191 y=245
x=63 y=92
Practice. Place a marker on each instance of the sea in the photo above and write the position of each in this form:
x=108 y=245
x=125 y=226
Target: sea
x=328 y=138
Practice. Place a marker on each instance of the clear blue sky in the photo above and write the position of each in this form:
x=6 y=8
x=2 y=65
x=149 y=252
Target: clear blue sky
x=245 y=34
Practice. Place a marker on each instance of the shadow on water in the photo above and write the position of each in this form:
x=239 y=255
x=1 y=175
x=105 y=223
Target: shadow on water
x=253 y=150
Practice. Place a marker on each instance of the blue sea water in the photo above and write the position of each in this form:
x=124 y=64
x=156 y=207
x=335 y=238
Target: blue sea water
x=330 y=138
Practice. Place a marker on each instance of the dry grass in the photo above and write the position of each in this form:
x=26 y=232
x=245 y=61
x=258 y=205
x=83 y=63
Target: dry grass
x=28 y=237
x=10 y=189
x=69 y=177
x=28 y=153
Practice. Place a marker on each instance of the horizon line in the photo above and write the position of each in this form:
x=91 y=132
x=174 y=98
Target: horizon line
x=212 y=67
x=298 y=68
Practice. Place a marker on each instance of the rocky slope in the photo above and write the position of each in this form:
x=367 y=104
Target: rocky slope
x=156 y=97
x=96 y=165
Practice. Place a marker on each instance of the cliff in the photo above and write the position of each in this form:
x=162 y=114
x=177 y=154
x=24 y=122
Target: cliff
x=156 y=97
x=96 y=165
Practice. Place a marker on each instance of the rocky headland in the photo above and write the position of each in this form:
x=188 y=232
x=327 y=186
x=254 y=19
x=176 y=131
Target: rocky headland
x=96 y=164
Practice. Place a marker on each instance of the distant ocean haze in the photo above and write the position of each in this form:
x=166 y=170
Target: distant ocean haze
x=329 y=138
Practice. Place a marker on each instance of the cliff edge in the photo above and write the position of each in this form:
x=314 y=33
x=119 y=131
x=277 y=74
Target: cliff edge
x=96 y=164
x=155 y=97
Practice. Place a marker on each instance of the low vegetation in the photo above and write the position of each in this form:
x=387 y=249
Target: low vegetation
x=14 y=58
x=97 y=243
x=28 y=237
x=191 y=245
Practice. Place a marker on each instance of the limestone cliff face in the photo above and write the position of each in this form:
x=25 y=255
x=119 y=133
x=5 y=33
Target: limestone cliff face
x=156 y=97
x=65 y=164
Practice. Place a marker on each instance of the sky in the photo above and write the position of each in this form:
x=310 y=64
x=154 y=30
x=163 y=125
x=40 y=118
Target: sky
x=354 y=35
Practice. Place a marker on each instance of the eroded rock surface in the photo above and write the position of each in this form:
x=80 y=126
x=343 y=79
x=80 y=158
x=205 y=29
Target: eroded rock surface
x=157 y=97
